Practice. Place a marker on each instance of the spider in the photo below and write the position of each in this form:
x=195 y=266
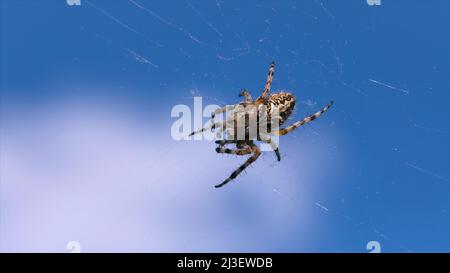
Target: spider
x=275 y=107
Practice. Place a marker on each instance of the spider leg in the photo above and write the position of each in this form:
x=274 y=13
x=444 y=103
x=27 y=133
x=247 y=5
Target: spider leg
x=225 y=141
x=221 y=110
x=244 y=151
x=268 y=82
x=299 y=123
x=219 y=131
x=267 y=139
x=211 y=126
x=246 y=95
x=256 y=153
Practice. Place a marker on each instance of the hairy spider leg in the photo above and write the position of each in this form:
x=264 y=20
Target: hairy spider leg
x=256 y=153
x=267 y=139
x=225 y=141
x=269 y=80
x=221 y=110
x=246 y=95
x=242 y=151
x=299 y=123
x=211 y=126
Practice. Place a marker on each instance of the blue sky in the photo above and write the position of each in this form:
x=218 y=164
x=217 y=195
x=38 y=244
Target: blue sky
x=86 y=151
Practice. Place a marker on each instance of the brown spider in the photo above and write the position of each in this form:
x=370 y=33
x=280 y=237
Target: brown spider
x=275 y=108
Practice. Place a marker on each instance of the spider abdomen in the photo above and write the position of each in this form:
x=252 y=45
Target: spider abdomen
x=283 y=103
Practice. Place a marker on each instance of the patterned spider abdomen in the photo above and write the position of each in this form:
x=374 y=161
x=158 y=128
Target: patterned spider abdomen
x=283 y=103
